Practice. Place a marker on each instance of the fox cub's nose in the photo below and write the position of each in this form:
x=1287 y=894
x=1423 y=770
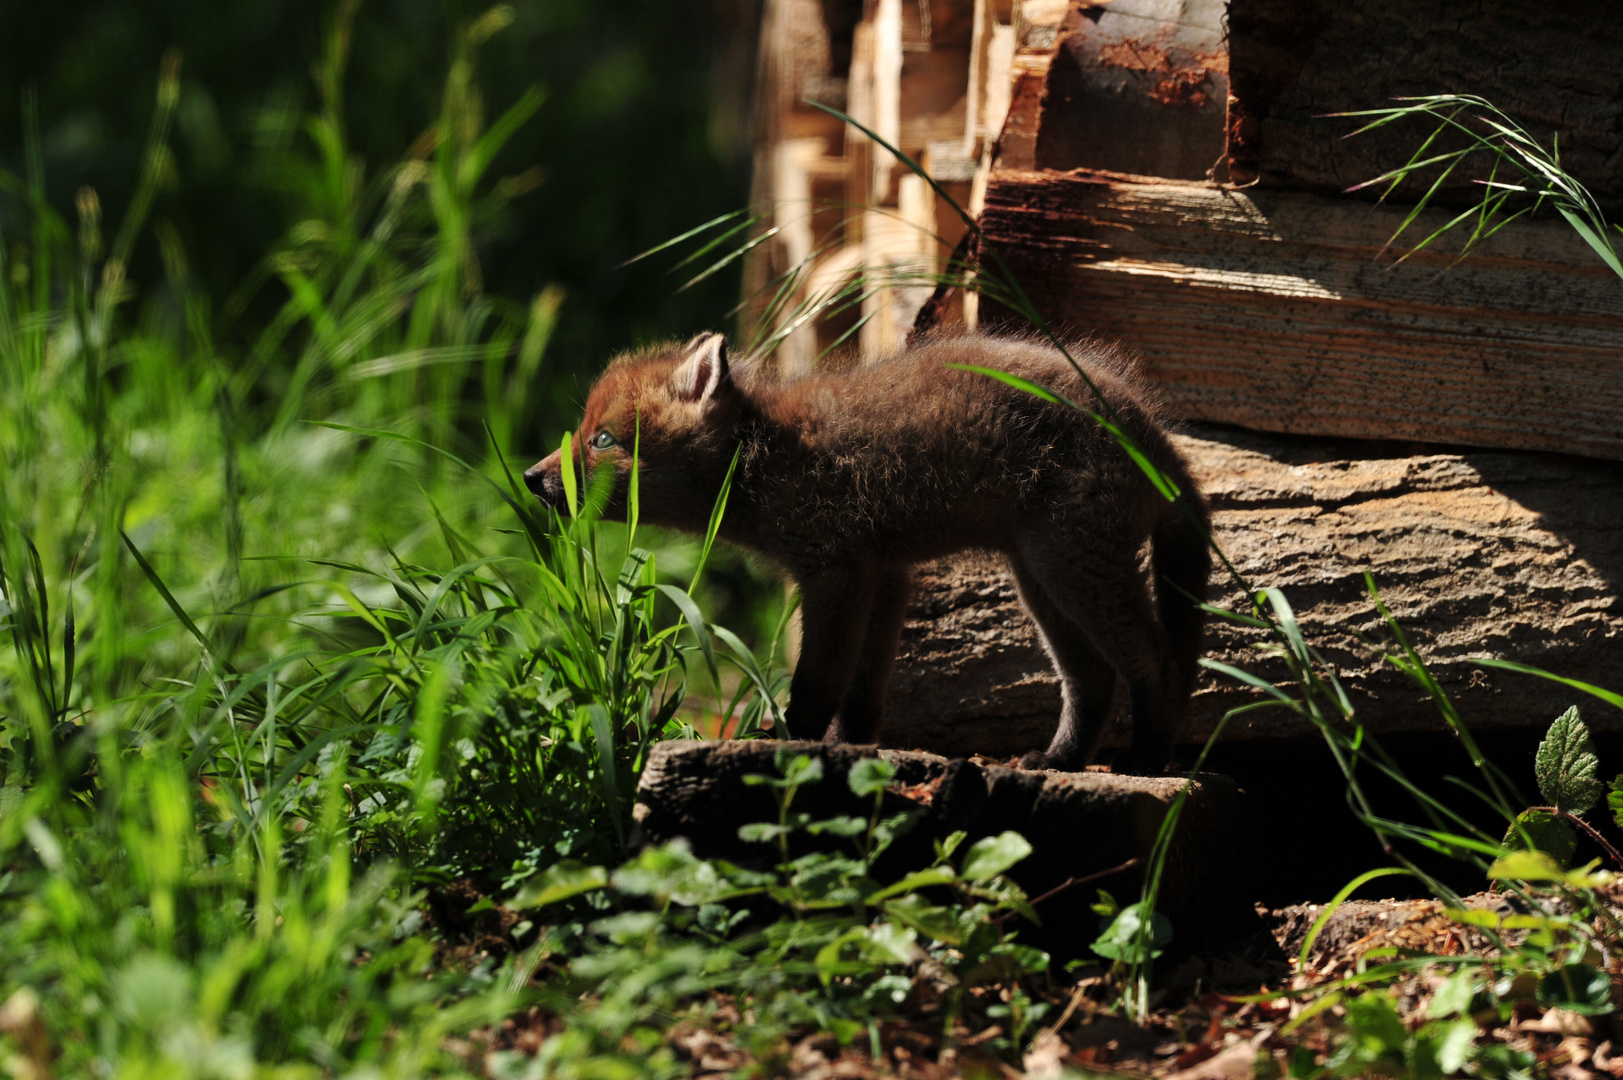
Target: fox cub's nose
x=543 y=480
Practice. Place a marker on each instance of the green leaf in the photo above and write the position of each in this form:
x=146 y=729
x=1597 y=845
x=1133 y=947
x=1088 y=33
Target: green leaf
x=1578 y=987
x=761 y=832
x=870 y=776
x=1566 y=765
x=560 y=881
x=888 y=943
x=1541 y=830
x=990 y=857
x=1526 y=866
x=798 y=769
x=922 y=879
x=828 y=962
x=840 y=826
x=1454 y=996
x=939 y=923
x=1120 y=941
x=1473 y=917
x=1614 y=799
x=1455 y=1044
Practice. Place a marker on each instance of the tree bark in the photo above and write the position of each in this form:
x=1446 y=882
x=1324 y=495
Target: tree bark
x=1086 y=825
x=1511 y=555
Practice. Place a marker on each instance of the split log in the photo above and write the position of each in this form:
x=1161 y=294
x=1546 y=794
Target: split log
x=1140 y=86
x=1271 y=310
x=1079 y=825
x=1511 y=555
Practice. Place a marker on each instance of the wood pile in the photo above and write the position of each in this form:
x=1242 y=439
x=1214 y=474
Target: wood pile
x=1161 y=172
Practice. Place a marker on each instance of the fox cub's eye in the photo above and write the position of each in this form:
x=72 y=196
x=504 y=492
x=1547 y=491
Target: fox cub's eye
x=604 y=440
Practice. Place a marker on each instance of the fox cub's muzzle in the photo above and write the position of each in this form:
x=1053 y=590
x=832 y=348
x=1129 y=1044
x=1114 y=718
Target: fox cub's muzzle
x=545 y=479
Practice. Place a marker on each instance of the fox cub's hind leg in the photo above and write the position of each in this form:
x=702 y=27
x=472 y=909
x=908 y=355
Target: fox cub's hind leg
x=834 y=607
x=864 y=702
x=1087 y=682
x=1107 y=597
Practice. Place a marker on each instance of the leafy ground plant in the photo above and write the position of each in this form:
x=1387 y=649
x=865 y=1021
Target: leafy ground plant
x=813 y=944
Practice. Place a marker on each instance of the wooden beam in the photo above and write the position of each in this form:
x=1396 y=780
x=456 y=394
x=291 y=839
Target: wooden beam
x=1276 y=311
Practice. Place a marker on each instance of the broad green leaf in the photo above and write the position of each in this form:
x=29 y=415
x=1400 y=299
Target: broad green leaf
x=1120 y=941
x=1455 y=1045
x=1525 y=866
x=1454 y=996
x=1566 y=765
x=1542 y=831
x=840 y=826
x=1614 y=799
x=829 y=962
x=922 y=879
x=1473 y=917
x=870 y=776
x=888 y=943
x=761 y=832
x=1578 y=987
x=559 y=881
x=937 y=922
x=798 y=768
x=992 y=856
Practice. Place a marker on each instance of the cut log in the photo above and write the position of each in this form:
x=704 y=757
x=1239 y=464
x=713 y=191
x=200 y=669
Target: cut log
x=1273 y=311
x=1292 y=61
x=1511 y=555
x=1139 y=86
x=1079 y=825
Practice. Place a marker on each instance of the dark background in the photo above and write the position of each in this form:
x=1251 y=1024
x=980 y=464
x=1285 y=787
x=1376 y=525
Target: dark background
x=644 y=133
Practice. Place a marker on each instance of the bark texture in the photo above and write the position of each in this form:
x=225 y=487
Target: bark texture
x=1077 y=823
x=1275 y=311
x=1553 y=68
x=1512 y=555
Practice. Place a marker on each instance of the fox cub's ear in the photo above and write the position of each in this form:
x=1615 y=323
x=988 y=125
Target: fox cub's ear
x=705 y=369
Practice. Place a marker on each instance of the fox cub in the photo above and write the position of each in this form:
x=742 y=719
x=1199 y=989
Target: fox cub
x=847 y=480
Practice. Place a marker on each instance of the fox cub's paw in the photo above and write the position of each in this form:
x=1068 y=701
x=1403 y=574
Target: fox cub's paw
x=1039 y=760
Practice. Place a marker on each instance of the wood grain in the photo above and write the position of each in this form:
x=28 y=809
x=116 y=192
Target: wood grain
x=1502 y=554
x=1276 y=311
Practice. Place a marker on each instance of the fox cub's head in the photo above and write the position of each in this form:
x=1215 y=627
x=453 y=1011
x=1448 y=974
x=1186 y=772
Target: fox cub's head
x=678 y=406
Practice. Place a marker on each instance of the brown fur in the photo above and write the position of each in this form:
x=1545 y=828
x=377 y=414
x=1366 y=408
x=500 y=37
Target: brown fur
x=848 y=480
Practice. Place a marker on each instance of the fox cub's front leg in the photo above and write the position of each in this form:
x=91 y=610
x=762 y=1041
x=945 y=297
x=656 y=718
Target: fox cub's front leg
x=864 y=702
x=834 y=607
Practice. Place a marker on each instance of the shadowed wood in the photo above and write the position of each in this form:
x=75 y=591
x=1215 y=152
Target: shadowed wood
x=1487 y=553
x=1273 y=310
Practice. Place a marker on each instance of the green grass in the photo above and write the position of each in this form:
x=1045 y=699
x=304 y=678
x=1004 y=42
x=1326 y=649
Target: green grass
x=290 y=644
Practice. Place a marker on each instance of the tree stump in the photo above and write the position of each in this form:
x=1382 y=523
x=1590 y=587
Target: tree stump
x=1078 y=824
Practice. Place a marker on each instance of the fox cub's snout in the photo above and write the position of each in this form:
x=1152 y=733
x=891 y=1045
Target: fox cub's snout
x=849 y=480
x=545 y=480
x=670 y=406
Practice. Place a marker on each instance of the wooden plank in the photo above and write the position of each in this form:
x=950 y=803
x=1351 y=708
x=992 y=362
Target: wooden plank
x=1273 y=310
